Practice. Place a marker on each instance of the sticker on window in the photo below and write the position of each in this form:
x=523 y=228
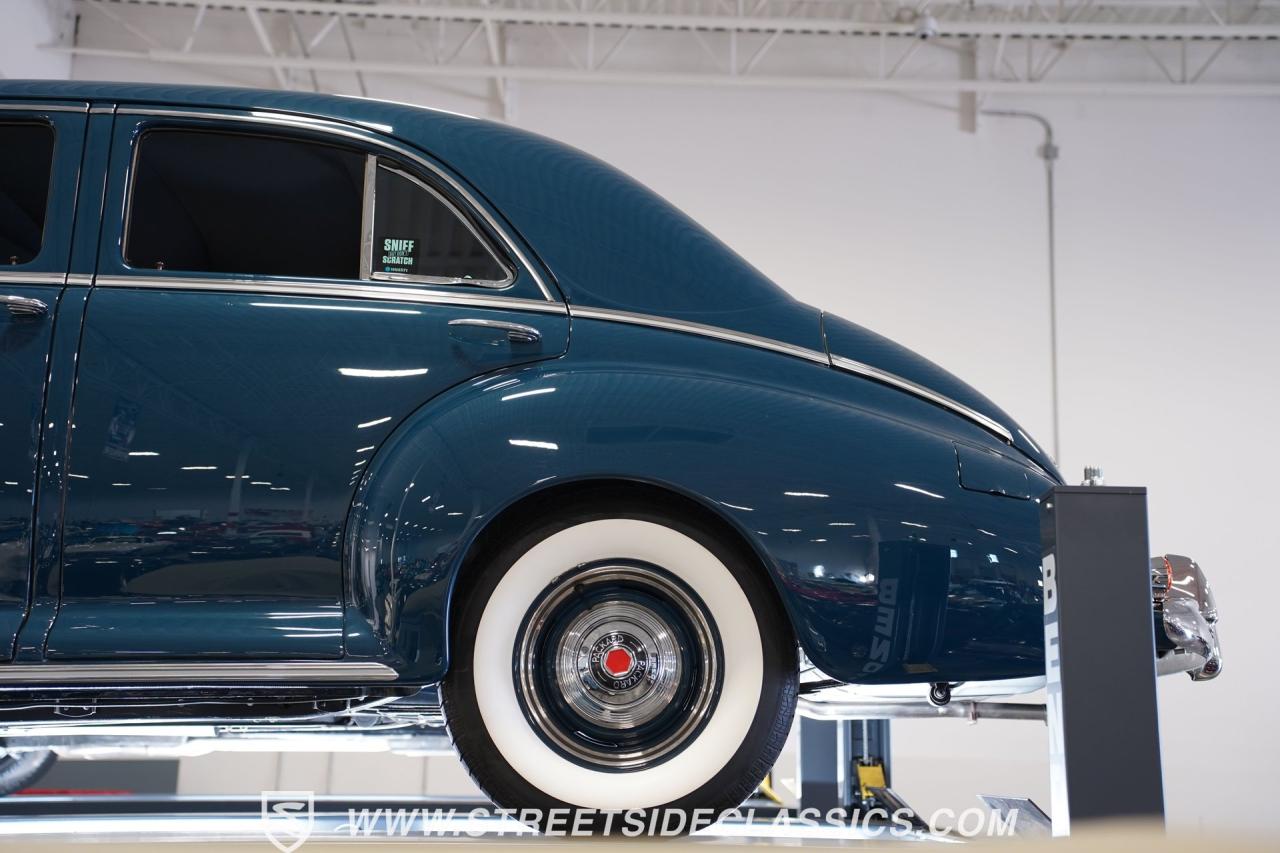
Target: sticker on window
x=399 y=255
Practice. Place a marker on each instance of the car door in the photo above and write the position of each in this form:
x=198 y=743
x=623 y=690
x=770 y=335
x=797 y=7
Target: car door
x=272 y=299
x=41 y=145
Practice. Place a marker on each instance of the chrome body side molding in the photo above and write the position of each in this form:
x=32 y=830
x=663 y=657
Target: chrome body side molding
x=196 y=672
x=715 y=332
x=354 y=290
x=845 y=364
x=874 y=373
x=20 y=277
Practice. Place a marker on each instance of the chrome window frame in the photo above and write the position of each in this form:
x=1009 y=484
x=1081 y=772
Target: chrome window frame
x=367 y=208
x=372 y=164
x=360 y=137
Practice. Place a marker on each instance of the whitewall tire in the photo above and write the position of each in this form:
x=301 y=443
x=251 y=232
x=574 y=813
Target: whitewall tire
x=617 y=657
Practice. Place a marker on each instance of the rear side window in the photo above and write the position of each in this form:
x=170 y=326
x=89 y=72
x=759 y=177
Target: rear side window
x=26 y=160
x=417 y=234
x=236 y=203
x=250 y=204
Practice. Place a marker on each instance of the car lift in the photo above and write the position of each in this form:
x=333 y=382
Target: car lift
x=1100 y=692
x=1100 y=705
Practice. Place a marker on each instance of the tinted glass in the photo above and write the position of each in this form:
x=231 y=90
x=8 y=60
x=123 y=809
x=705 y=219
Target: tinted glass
x=417 y=233
x=26 y=158
x=235 y=203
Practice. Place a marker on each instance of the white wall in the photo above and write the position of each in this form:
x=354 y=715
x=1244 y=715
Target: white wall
x=881 y=210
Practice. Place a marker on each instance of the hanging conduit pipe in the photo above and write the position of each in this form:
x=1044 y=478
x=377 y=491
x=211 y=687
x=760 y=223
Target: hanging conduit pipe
x=1049 y=153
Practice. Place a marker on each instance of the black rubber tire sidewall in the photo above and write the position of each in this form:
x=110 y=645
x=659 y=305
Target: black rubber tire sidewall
x=21 y=770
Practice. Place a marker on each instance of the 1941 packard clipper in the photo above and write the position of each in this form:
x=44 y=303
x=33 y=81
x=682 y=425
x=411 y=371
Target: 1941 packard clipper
x=316 y=409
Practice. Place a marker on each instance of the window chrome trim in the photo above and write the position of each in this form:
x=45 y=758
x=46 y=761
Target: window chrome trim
x=856 y=367
x=300 y=122
x=367 y=206
x=848 y=365
x=17 y=276
x=45 y=108
x=371 y=200
x=355 y=290
x=197 y=672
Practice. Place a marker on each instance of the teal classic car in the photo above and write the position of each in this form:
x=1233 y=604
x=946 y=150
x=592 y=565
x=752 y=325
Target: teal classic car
x=332 y=417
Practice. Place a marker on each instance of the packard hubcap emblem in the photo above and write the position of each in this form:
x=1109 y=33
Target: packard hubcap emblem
x=618 y=661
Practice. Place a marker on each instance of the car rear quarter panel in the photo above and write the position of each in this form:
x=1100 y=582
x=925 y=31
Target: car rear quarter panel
x=847 y=490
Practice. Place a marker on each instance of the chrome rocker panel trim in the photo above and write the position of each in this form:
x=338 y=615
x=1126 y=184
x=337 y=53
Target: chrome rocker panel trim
x=197 y=672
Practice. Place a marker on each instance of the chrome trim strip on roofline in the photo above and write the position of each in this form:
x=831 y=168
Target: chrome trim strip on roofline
x=698 y=329
x=336 y=129
x=198 y=672
x=848 y=365
x=45 y=108
x=355 y=290
x=866 y=370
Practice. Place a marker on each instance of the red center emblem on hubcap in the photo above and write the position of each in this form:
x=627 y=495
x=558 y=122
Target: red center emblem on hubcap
x=618 y=662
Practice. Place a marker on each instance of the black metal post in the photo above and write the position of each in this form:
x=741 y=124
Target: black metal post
x=824 y=764
x=831 y=752
x=1104 y=739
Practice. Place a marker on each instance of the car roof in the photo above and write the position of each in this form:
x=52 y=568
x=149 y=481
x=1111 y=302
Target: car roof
x=608 y=241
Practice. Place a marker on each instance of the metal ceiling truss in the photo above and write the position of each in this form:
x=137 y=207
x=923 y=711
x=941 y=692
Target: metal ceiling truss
x=975 y=47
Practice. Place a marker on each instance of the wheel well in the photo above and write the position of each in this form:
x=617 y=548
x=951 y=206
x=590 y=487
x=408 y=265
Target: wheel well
x=532 y=508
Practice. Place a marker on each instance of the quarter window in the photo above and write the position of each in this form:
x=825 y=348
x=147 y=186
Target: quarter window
x=417 y=234
x=24 y=189
x=206 y=201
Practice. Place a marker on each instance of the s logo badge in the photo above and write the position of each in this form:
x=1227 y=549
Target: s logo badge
x=288 y=818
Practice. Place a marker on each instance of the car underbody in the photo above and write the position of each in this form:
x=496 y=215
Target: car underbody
x=178 y=722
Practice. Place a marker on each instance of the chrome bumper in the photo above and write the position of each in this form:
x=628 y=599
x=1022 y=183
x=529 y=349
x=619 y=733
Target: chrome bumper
x=1186 y=619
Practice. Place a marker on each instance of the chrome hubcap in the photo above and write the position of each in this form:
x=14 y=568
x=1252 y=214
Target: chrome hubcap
x=618 y=666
